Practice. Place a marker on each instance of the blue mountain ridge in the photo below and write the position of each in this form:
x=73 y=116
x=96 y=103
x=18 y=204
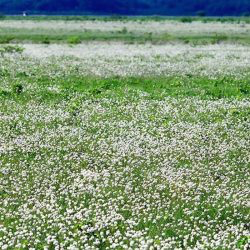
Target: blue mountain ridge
x=129 y=7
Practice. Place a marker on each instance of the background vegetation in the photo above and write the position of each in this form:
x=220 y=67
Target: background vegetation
x=130 y=7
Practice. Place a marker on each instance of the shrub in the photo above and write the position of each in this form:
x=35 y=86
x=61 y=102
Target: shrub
x=74 y=40
x=186 y=20
x=45 y=40
x=3 y=93
x=5 y=39
x=17 y=88
x=11 y=49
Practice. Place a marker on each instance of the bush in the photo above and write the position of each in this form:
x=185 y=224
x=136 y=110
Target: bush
x=74 y=40
x=17 y=88
x=4 y=93
x=6 y=39
x=186 y=20
x=45 y=40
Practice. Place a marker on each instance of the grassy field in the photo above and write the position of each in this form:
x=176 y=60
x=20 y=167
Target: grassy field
x=196 y=31
x=109 y=145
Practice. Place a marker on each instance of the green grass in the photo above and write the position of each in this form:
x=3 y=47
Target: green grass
x=184 y=19
x=11 y=35
x=187 y=86
x=143 y=97
x=75 y=36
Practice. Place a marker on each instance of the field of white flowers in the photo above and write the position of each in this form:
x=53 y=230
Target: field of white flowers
x=119 y=59
x=171 y=27
x=131 y=30
x=125 y=146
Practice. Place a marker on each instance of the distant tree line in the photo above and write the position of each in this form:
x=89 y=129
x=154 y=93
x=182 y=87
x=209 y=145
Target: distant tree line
x=130 y=7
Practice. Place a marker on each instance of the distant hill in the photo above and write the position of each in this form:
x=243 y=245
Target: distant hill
x=129 y=7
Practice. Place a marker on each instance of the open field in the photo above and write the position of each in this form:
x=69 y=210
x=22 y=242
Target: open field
x=113 y=145
x=128 y=30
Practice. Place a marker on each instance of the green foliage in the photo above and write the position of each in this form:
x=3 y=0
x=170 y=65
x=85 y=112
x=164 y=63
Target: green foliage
x=244 y=18
x=186 y=20
x=156 y=87
x=4 y=93
x=74 y=40
x=17 y=88
x=243 y=242
x=4 y=39
x=77 y=36
x=45 y=40
x=10 y=49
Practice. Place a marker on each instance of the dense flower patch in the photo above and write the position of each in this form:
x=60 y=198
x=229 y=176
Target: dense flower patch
x=119 y=168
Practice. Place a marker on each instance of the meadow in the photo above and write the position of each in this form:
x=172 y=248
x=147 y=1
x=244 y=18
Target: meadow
x=137 y=141
x=74 y=30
